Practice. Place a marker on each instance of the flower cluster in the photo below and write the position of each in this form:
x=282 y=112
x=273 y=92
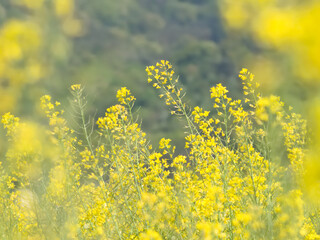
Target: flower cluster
x=162 y=77
x=124 y=96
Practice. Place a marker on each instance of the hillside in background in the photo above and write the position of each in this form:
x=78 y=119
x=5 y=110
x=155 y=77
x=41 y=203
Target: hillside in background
x=45 y=46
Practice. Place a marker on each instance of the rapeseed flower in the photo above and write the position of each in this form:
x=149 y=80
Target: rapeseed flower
x=231 y=183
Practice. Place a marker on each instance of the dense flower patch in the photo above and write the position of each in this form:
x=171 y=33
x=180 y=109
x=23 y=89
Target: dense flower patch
x=242 y=175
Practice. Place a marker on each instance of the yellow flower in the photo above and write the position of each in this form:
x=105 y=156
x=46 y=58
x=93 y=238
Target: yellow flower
x=150 y=235
x=164 y=143
x=124 y=96
x=76 y=87
x=10 y=122
x=218 y=91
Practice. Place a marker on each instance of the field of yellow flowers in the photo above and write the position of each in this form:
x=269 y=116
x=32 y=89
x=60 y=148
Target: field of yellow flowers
x=246 y=173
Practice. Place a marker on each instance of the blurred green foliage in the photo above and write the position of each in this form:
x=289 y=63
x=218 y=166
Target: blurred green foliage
x=106 y=44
